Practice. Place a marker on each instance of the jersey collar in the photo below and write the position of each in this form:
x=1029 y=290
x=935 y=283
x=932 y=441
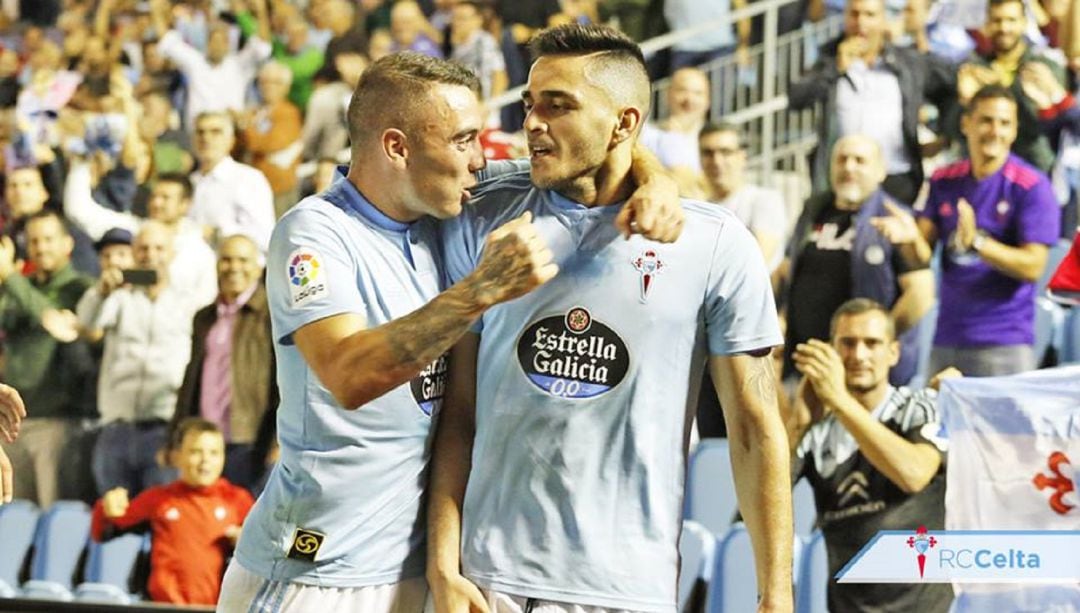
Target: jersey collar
x=343 y=194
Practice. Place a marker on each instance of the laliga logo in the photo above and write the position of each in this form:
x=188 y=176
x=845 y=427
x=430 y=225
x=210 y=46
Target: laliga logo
x=921 y=543
x=303 y=269
x=1060 y=483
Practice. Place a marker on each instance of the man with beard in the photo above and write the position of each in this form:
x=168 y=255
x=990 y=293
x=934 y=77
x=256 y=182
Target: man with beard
x=836 y=254
x=1006 y=22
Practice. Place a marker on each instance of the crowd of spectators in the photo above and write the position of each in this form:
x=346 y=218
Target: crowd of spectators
x=149 y=147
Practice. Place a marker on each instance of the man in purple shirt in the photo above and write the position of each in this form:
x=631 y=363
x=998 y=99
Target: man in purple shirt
x=996 y=216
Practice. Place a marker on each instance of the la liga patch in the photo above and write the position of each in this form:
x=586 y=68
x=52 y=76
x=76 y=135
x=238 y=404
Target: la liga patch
x=307 y=279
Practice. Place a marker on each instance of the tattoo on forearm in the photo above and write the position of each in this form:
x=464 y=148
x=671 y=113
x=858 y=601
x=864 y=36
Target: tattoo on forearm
x=420 y=338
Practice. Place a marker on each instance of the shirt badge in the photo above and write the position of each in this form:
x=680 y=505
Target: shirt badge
x=946 y=209
x=1002 y=208
x=307 y=280
x=648 y=264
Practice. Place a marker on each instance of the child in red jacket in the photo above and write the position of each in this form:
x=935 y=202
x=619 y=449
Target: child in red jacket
x=194 y=521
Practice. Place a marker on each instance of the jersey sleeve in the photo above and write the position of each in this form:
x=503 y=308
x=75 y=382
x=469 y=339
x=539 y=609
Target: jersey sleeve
x=1040 y=217
x=310 y=274
x=920 y=422
x=740 y=310
x=461 y=252
x=499 y=168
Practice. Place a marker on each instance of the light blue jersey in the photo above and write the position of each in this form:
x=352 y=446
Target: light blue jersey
x=343 y=507
x=584 y=391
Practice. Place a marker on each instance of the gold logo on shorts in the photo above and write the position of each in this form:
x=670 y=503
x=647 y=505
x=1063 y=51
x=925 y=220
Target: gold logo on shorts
x=306 y=544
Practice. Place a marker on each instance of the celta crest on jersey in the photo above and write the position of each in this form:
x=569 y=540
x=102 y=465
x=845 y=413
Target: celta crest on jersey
x=429 y=386
x=573 y=355
x=649 y=265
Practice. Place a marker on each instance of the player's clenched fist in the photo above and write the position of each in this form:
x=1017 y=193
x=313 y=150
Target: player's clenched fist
x=515 y=261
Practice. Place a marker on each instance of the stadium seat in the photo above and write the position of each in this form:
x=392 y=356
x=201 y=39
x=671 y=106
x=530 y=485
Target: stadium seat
x=18 y=520
x=108 y=569
x=927 y=328
x=813 y=580
x=1053 y=259
x=1049 y=328
x=733 y=583
x=802 y=499
x=62 y=533
x=102 y=593
x=45 y=590
x=1071 y=341
x=6 y=591
x=696 y=549
x=710 y=486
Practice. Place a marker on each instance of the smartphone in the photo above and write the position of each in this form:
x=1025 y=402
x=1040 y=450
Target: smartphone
x=139 y=276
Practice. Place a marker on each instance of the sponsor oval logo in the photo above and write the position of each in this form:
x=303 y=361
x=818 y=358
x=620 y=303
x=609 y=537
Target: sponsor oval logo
x=429 y=386
x=573 y=355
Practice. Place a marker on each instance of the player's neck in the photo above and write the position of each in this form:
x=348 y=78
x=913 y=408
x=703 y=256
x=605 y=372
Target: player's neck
x=610 y=183
x=382 y=195
x=721 y=192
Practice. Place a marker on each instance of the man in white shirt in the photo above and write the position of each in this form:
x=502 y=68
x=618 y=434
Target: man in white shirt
x=230 y=197
x=194 y=267
x=218 y=80
x=723 y=164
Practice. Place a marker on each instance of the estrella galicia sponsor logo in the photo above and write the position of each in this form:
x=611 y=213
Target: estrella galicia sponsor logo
x=429 y=386
x=573 y=355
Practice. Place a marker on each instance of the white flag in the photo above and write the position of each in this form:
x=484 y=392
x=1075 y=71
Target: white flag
x=1014 y=464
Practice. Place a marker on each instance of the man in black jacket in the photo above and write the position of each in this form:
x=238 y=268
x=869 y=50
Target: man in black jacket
x=231 y=379
x=868 y=86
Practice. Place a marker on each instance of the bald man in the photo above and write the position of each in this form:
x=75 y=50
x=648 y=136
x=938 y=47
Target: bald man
x=560 y=450
x=145 y=320
x=231 y=379
x=836 y=254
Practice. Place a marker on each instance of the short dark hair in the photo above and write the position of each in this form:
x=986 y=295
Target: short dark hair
x=992 y=3
x=616 y=55
x=858 y=306
x=188 y=425
x=48 y=214
x=180 y=179
x=723 y=127
x=394 y=87
x=989 y=92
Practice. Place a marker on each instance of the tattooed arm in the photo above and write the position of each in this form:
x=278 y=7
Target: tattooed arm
x=358 y=364
x=746 y=386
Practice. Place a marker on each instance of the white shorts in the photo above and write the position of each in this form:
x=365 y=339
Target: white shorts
x=245 y=592
x=499 y=602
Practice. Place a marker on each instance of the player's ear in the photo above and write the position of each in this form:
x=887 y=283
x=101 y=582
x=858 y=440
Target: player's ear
x=629 y=120
x=395 y=146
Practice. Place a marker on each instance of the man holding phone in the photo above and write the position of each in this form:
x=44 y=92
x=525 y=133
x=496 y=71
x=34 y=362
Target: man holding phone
x=145 y=322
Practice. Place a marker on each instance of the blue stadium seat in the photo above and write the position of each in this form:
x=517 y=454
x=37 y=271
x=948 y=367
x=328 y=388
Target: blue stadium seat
x=697 y=546
x=18 y=520
x=45 y=590
x=813 y=580
x=108 y=569
x=802 y=499
x=927 y=328
x=1071 y=351
x=6 y=591
x=1049 y=328
x=733 y=584
x=103 y=593
x=1053 y=260
x=61 y=537
x=710 y=486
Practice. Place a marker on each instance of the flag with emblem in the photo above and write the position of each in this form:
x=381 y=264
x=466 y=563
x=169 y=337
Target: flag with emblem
x=1014 y=464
